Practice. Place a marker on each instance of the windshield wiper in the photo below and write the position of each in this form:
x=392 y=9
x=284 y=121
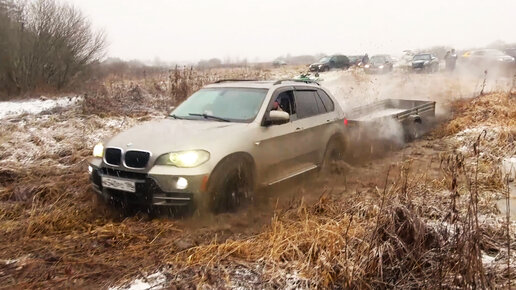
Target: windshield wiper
x=176 y=117
x=206 y=116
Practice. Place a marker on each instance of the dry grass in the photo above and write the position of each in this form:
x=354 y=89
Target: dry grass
x=412 y=230
x=157 y=92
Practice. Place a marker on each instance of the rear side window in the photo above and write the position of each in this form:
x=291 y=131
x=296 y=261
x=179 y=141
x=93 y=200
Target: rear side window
x=328 y=103
x=306 y=104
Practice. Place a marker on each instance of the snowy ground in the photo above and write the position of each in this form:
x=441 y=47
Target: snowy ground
x=34 y=106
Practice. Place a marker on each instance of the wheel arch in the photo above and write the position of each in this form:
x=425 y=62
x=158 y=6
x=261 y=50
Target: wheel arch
x=246 y=157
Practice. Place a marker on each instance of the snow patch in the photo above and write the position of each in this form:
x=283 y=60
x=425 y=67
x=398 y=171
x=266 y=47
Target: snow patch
x=154 y=281
x=34 y=106
x=509 y=168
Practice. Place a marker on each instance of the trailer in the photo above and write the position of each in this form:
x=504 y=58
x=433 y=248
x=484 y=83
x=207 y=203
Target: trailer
x=387 y=124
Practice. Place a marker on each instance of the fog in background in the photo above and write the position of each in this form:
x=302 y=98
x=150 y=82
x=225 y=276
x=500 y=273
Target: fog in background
x=187 y=31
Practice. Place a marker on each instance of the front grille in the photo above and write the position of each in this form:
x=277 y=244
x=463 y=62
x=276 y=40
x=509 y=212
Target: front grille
x=136 y=159
x=113 y=156
x=123 y=174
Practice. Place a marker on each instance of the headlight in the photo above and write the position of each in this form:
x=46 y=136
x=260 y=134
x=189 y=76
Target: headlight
x=320 y=66
x=191 y=158
x=366 y=66
x=380 y=67
x=98 y=150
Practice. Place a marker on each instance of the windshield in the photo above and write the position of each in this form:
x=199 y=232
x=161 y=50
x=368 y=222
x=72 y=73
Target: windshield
x=232 y=104
x=422 y=57
x=324 y=59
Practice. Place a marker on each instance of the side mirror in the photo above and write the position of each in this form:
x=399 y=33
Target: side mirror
x=277 y=118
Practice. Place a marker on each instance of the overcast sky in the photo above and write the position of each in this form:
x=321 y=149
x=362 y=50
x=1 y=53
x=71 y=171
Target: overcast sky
x=189 y=30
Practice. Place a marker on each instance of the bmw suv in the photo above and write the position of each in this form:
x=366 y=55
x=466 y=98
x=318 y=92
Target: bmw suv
x=221 y=144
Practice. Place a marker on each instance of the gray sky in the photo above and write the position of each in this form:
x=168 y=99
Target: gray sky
x=189 y=30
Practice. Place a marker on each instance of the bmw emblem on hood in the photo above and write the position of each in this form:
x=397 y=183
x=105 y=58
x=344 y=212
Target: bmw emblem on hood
x=129 y=144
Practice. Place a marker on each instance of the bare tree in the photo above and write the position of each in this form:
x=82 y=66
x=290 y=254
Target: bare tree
x=50 y=44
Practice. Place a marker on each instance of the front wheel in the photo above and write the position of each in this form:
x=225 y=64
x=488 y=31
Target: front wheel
x=231 y=186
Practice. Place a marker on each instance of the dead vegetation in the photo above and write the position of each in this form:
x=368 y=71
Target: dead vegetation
x=158 y=91
x=405 y=227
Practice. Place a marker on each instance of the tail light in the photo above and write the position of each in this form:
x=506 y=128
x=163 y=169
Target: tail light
x=346 y=122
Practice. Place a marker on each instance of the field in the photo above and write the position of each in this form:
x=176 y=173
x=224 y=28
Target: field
x=426 y=214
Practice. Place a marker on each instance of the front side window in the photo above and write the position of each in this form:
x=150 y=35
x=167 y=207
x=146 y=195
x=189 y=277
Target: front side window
x=228 y=104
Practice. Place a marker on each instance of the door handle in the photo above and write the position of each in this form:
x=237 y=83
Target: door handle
x=299 y=129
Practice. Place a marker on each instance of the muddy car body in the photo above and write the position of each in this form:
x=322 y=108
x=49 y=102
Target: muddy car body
x=221 y=144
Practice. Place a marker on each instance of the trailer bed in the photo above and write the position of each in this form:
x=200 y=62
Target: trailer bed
x=398 y=109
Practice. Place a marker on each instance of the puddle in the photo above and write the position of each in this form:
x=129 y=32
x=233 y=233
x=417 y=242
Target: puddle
x=502 y=203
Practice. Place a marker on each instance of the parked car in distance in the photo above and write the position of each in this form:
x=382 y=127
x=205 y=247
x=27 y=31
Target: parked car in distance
x=219 y=145
x=278 y=63
x=487 y=58
x=425 y=62
x=511 y=52
x=355 y=59
x=380 y=63
x=326 y=63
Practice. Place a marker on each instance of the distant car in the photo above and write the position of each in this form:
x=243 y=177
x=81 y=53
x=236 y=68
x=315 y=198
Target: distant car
x=379 y=64
x=330 y=62
x=487 y=58
x=278 y=63
x=511 y=52
x=355 y=59
x=425 y=62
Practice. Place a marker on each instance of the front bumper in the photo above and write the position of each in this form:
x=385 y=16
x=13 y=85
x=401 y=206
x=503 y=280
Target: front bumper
x=151 y=189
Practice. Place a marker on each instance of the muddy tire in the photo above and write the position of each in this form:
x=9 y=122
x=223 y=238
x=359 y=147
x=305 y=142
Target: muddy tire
x=413 y=131
x=334 y=152
x=231 y=186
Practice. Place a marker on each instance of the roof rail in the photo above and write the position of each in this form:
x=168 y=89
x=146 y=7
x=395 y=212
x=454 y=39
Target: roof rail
x=306 y=81
x=234 y=80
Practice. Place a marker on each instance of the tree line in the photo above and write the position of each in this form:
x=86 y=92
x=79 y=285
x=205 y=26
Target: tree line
x=45 y=45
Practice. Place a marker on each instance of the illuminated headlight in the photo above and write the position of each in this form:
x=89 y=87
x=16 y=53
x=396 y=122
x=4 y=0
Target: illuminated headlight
x=366 y=66
x=191 y=158
x=90 y=169
x=181 y=183
x=98 y=150
x=380 y=67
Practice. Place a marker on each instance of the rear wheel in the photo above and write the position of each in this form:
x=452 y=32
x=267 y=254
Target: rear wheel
x=231 y=186
x=333 y=154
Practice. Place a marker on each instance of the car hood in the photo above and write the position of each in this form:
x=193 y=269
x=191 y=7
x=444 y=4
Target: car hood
x=168 y=135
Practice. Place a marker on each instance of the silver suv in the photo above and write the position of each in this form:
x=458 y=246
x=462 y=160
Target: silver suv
x=221 y=144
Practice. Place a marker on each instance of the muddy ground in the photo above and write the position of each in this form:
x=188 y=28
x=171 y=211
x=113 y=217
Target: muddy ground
x=309 y=232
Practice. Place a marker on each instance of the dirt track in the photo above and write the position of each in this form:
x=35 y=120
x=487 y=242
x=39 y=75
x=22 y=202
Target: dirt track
x=55 y=235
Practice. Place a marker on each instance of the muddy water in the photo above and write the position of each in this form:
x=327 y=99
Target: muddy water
x=502 y=203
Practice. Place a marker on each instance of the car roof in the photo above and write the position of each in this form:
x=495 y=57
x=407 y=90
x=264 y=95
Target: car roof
x=259 y=84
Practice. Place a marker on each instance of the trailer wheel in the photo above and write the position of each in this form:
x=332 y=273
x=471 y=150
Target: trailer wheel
x=413 y=129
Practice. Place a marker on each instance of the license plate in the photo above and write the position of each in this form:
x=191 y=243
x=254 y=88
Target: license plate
x=119 y=184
